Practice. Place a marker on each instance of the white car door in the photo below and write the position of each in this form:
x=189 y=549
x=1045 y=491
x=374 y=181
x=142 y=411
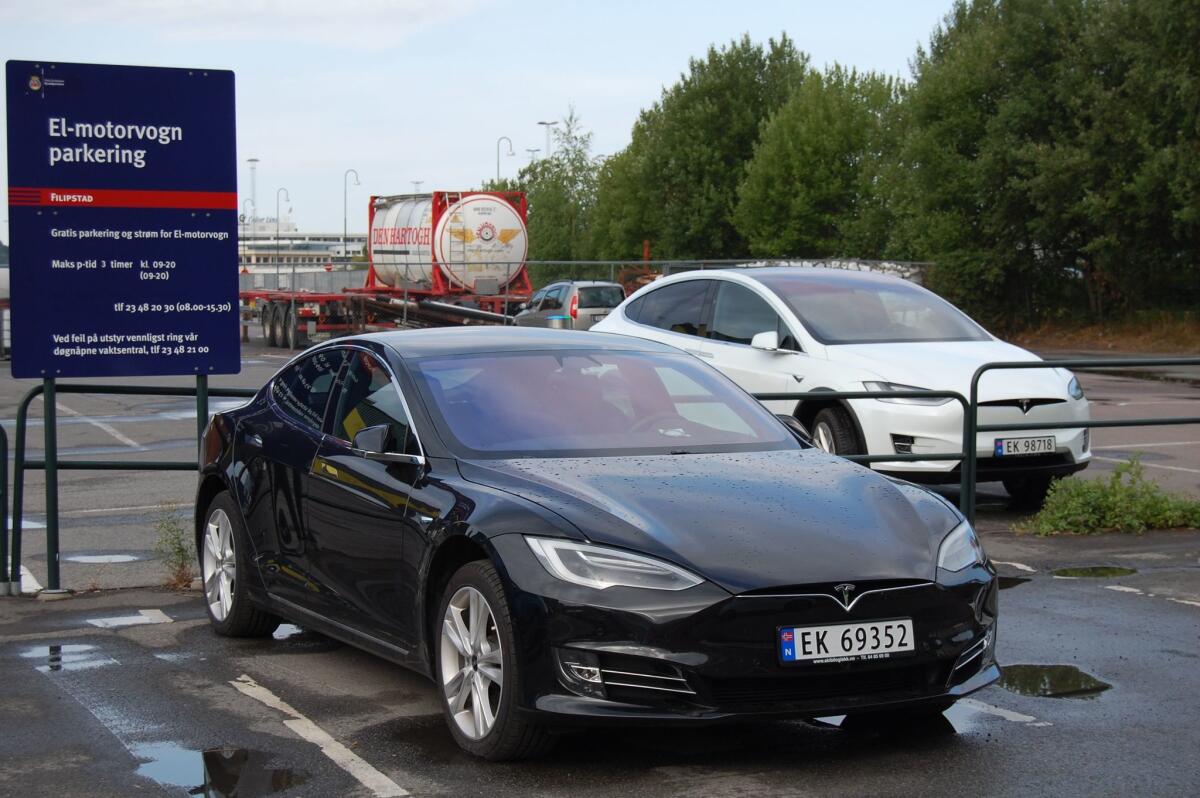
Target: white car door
x=738 y=314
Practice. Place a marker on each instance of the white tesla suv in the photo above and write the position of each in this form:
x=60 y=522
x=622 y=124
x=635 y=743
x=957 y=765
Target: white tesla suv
x=792 y=329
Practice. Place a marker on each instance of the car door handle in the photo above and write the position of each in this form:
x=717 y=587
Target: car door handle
x=254 y=440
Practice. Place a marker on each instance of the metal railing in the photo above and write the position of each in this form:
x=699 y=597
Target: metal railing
x=968 y=455
x=51 y=465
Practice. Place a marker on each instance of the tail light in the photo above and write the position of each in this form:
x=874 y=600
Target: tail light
x=574 y=307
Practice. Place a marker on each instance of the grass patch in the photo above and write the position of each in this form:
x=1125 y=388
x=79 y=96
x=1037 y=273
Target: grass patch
x=1124 y=502
x=174 y=546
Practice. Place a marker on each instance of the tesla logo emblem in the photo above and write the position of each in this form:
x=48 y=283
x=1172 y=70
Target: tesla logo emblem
x=845 y=590
x=1025 y=404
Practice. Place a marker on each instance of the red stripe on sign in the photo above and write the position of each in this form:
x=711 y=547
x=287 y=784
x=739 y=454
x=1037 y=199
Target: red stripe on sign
x=124 y=198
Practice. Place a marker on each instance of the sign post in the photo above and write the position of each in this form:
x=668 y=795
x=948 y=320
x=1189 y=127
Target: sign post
x=123 y=224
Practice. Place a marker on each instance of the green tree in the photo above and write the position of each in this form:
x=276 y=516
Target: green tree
x=810 y=188
x=676 y=182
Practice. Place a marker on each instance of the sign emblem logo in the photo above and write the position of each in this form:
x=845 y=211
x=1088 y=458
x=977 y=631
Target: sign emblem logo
x=35 y=83
x=486 y=231
x=1025 y=404
x=845 y=589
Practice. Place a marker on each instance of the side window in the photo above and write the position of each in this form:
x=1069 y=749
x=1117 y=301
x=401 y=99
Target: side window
x=302 y=390
x=369 y=399
x=536 y=298
x=554 y=298
x=677 y=308
x=739 y=314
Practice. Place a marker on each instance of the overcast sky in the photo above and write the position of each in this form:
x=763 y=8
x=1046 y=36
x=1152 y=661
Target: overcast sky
x=422 y=89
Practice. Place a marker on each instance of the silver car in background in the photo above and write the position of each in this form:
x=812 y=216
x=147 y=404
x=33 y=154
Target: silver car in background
x=577 y=304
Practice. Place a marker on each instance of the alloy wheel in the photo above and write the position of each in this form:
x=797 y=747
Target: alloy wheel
x=824 y=436
x=472 y=663
x=219 y=565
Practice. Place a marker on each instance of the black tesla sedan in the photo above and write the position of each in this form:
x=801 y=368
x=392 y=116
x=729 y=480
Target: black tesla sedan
x=573 y=528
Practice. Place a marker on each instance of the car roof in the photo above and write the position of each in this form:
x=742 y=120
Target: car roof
x=812 y=275
x=581 y=283
x=444 y=341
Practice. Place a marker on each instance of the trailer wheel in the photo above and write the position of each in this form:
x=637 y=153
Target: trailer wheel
x=267 y=316
x=293 y=338
x=278 y=327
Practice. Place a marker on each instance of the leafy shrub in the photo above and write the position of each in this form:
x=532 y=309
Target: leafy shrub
x=174 y=546
x=1124 y=502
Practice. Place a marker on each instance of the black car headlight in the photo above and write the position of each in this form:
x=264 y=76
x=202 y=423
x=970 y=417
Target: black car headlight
x=960 y=549
x=892 y=386
x=601 y=567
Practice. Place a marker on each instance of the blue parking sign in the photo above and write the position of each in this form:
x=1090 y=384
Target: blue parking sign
x=123 y=220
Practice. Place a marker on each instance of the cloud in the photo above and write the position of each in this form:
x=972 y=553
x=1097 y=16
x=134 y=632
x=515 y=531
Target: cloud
x=374 y=24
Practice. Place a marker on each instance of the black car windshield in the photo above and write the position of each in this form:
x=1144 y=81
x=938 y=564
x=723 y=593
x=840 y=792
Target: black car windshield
x=572 y=403
x=871 y=311
x=600 y=296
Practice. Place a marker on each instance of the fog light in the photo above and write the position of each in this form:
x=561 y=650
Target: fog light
x=1087 y=438
x=580 y=672
x=902 y=444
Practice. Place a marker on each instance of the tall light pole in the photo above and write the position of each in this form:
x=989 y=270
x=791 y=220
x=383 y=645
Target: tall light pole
x=510 y=152
x=548 y=125
x=280 y=192
x=245 y=221
x=253 y=187
x=532 y=152
x=417 y=186
x=345 y=198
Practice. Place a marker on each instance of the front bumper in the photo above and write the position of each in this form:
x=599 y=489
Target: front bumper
x=717 y=655
x=938 y=430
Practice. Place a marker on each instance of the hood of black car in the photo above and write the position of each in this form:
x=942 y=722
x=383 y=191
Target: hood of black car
x=743 y=520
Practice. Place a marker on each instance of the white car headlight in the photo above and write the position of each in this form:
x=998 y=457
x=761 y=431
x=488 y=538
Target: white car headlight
x=1075 y=389
x=961 y=549
x=601 y=567
x=891 y=386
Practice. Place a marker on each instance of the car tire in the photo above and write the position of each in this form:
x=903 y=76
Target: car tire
x=279 y=326
x=225 y=561
x=292 y=335
x=833 y=431
x=510 y=735
x=1028 y=493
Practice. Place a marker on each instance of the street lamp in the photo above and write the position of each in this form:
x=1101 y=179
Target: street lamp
x=284 y=192
x=345 y=196
x=548 y=125
x=532 y=152
x=510 y=152
x=246 y=219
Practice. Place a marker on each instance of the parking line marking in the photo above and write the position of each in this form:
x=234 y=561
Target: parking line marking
x=341 y=756
x=1185 y=601
x=1123 y=589
x=114 y=510
x=29 y=583
x=1019 y=566
x=1007 y=714
x=1149 y=465
x=110 y=429
x=143 y=618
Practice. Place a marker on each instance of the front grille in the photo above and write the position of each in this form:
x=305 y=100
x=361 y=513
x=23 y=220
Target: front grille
x=800 y=686
x=1024 y=405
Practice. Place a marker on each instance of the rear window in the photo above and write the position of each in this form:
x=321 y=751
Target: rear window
x=601 y=296
x=584 y=404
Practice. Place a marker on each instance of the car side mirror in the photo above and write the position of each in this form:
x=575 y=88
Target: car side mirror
x=372 y=443
x=767 y=341
x=522 y=307
x=797 y=428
